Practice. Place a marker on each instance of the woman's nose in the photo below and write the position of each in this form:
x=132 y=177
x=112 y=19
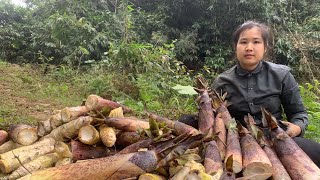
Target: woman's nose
x=249 y=47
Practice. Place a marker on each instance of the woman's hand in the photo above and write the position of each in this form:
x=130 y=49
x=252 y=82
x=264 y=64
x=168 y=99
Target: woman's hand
x=292 y=129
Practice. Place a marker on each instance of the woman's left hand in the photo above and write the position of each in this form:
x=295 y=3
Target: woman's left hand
x=292 y=129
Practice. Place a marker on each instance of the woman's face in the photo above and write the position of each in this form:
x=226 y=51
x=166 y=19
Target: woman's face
x=250 y=48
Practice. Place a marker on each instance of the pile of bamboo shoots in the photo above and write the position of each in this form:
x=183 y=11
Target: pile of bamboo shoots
x=97 y=141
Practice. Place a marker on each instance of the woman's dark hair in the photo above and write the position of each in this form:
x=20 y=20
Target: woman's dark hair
x=265 y=31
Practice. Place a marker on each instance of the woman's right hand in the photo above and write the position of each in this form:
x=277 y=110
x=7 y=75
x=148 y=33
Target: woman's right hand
x=292 y=129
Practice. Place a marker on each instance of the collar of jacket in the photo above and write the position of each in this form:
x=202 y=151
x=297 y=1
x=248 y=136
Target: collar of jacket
x=242 y=72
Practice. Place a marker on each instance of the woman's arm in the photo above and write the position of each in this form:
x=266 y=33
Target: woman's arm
x=293 y=106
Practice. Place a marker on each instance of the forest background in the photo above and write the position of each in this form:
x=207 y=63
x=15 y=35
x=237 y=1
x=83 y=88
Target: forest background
x=144 y=53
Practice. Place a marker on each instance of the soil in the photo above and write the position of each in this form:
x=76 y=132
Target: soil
x=14 y=99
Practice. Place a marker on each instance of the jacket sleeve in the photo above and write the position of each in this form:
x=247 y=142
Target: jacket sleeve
x=292 y=103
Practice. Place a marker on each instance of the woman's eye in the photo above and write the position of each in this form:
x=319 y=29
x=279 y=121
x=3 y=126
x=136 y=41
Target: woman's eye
x=243 y=42
x=257 y=42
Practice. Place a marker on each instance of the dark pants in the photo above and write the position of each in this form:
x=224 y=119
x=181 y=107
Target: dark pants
x=311 y=148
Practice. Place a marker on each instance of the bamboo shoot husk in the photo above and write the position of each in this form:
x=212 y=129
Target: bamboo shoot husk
x=39 y=163
x=297 y=163
x=206 y=117
x=255 y=161
x=89 y=135
x=233 y=147
x=212 y=161
x=221 y=132
x=125 y=139
x=112 y=167
x=23 y=134
x=178 y=127
x=82 y=151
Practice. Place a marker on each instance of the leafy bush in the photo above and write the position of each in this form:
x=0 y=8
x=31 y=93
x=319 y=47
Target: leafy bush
x=310 y=93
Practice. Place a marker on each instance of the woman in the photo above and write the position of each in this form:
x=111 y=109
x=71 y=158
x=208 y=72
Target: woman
x=254 y=83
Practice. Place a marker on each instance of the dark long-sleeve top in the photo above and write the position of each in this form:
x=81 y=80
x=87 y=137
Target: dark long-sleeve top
x=269 y=85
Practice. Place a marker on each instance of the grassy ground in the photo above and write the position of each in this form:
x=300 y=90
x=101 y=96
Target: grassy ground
x=27 y=95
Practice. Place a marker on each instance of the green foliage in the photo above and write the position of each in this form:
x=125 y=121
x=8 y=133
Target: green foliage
x=310 y=93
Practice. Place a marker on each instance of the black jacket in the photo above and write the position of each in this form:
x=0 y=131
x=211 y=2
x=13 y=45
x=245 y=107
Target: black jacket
x=270 y=85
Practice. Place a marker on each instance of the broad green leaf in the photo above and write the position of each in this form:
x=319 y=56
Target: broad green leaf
x=185 y=89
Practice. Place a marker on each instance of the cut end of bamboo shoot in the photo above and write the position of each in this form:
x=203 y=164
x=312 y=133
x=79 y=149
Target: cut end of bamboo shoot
x=23 y=134
x=91 y=102
x=89 y=135
x=258 y=171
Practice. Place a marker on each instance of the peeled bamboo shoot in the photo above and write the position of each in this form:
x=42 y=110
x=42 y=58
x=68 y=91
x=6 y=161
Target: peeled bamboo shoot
x=70 y=129
x=71 y=113
x=23 y=134
x=95 y=102
x=107 y=135
x=39 y=163
x=89 y=135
